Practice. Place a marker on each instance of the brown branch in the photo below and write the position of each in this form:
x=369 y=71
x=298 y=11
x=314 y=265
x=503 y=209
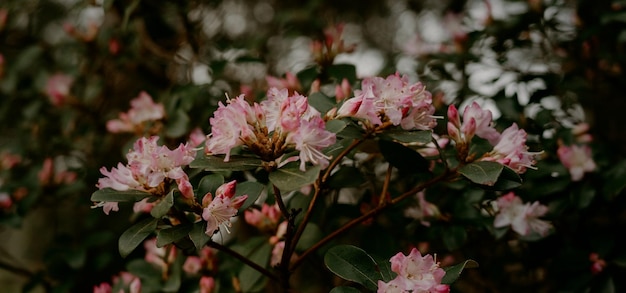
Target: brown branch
x=370 y=214
x=243 y=259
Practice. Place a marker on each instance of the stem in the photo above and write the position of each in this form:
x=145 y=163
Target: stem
x=368 y=215
x=343 y=153
x=280 y=202
x=383 y=193
x=289 y=237
x=305 y=220
x=243 y=259
x=440 y=151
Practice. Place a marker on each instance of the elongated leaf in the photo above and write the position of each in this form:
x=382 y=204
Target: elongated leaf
x=353 y=264
x=384 y=266
x=454 y=237
x=162 y=207
x=250 y=188
x=485 y=173
x=422 y=137
x=508 y=179
x=169 y=235
x=402 y=157
x=289 y=177
x=197 y=235
x=177 y=124
x=336 y=125
x=209 y=183
x=347 y=176
x=174 y=279
x=341 y=71
x=453 y=272
x=111 y=195
x=133 y=236
x=321 y=102
x=250 y=278
x=344 y=289
x=216 y=163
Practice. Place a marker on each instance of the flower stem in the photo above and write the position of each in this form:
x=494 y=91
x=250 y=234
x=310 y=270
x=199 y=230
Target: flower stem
x=243 y=259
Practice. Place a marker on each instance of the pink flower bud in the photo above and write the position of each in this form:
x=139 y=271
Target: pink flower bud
x=453 y=116
x=227 y=189
x=207 y=284
x=5 y=201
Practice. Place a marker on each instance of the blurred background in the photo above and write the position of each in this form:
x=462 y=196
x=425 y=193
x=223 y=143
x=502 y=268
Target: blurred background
x=69 y=66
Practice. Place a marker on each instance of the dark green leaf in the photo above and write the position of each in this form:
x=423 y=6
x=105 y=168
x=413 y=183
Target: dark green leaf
x=321 y=102
x=174 y=279
x=508 y=179
x=344 y=289
x=289 y=177
x=169 y=235
x=423 y=137
x=308 y=75
x=453 y=272
x=583 y=196
x=249 y=277
x=347 y=176
x=162 y=207
x=250 y=188
x=111 y=195
x=133 y=236
x=484 y=173
x=384 y=266
x=177 y=124
x=143 y=269
x=341 y=71
x=353 y=264
x=402 y=157
x=198 y=235
x=209 y=183
x=312 y=233
x=216 y=163
x=615 y=182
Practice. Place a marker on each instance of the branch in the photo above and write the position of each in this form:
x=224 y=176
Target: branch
x=370 y=214
x=243 y=259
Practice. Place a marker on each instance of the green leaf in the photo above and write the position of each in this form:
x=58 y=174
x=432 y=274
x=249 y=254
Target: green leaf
x=321 y=102
x=384 y=266
x=209 y=183
x=615 y=182
x=341 y=71
x=249 y=277
x=289 y=177
x=162 y=207
x=128 y=12
x=423 y=137
x=311 y=235
x=308 y=75
x=175 y=276
x=347 y=176
x=198 y=235
x=112 y=195
x=216 y=163
x=402 y=157
x=583 y=196
x=336 y=125
x=169 y=235
x=509 y=179
x=453 y=272
x=250 y=188
x=133 y=236
x=177 y=124
x=353 y=264
x=344 y=289
x=484 y=173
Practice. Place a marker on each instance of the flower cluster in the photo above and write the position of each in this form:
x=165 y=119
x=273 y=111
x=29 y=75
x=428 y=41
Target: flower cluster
x=522 y=217
x=416 y=274
x=149 y=168
x=278 y=124
x=392 y=100
x=143 y=110
x=509 y=147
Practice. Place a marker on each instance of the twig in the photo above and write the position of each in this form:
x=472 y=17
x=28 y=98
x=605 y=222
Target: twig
x=243 y=259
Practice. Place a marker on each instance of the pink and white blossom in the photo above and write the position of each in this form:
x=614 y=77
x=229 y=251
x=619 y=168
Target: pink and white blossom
x=219 y=210
x=207 y=284
x=58 y=88
x=522 y=217
x=265 y=219
x=577 y=159
x=512 y=151
x=143 y=109
x=416 y=273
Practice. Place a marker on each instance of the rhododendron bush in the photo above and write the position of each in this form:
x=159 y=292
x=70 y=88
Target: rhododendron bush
x=262 y=146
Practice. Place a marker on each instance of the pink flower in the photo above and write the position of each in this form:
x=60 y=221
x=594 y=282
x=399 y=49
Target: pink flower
x=391 y=99
x=148 y=166
x=423 y=211
x=342 y=90
x=218 y=211
x=196 y=137
x=265 y=219
x=577 y=159
x=104 y=287
x=597 y=264
x=143 y=109
x=5 y=201
x=161 y=257
x=416 y=273
x=523 y=218
x=290 y=82
x=277 y=254
x=207 y=284
x=511 y=150
x=483 y=123
x=126 y=281
x=279 y=124
x=58 y=88
x=192 y=265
